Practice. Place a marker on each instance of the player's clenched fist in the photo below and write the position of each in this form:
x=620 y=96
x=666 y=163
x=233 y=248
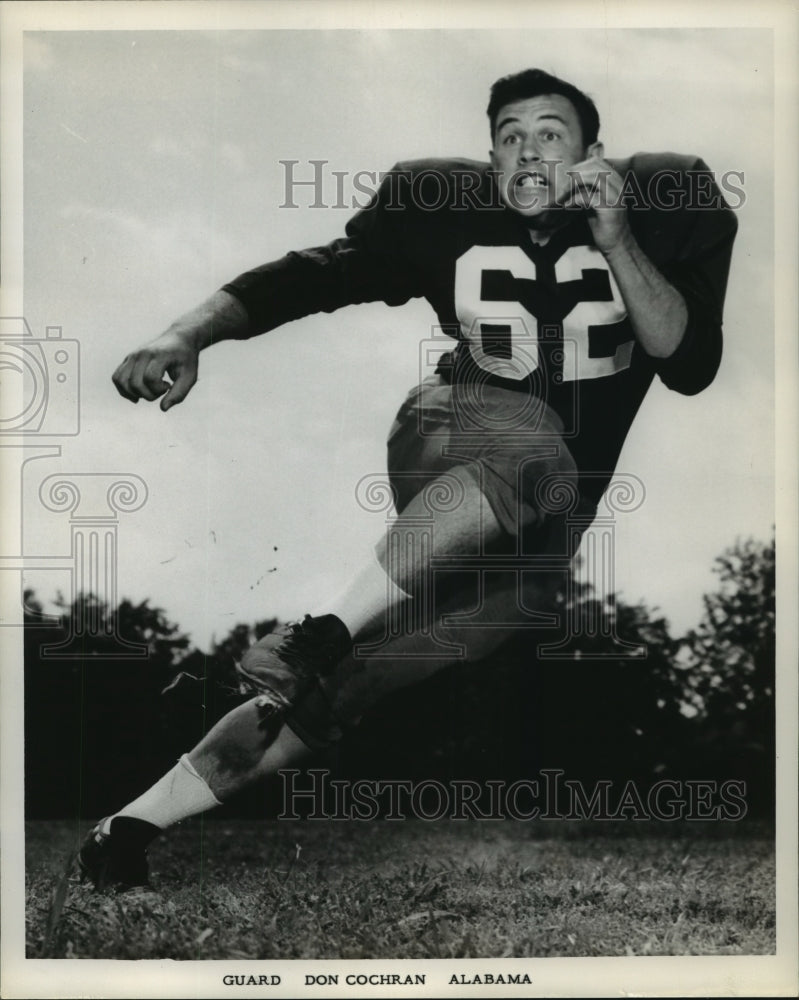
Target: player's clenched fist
x=595 y=186
x=166 y=367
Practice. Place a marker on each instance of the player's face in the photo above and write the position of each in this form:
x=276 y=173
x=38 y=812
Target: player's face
x=537 y=139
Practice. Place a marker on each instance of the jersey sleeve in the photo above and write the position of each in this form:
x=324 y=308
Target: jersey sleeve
x=372 y=263
x=691 y=244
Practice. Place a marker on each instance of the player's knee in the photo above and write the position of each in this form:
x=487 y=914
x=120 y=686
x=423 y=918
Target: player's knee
x=262 y=671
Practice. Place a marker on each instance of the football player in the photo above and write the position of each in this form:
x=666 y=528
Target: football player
x=568 y=282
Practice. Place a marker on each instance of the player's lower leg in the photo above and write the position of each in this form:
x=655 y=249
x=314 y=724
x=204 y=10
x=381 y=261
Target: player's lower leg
x=228 y=759
x=230 y=756
x=284 y=669
x=225 y=761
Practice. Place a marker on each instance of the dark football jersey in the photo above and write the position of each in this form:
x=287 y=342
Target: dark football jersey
x=547 y=320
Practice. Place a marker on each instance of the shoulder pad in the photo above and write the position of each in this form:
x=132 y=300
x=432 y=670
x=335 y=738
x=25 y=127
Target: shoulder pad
x=645 y=165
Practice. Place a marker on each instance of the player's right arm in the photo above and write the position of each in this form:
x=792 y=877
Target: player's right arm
x=372 y=263
x=166 y=368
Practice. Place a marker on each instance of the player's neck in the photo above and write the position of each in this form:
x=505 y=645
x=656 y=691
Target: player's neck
x=540 y=236
x=542 y=231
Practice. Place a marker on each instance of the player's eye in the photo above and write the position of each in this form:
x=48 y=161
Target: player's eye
x=511 y=139
x=550 y=136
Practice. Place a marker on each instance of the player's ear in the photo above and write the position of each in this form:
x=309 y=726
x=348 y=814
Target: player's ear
x=595 y=149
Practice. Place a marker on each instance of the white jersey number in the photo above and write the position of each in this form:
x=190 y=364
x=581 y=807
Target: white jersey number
x=481 y=319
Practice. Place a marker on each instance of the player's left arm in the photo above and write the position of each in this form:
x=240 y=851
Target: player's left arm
x=656 y=309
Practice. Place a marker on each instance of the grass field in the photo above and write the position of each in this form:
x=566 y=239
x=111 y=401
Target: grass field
x=311 y=890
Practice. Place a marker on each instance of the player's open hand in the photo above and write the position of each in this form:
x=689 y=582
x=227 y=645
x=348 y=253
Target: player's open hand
x=166 y=368
x=596 y=187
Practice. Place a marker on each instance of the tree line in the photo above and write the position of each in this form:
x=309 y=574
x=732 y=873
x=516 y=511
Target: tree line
x=699 y=706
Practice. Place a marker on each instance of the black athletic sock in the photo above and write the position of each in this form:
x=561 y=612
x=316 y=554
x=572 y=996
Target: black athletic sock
x=131 y=833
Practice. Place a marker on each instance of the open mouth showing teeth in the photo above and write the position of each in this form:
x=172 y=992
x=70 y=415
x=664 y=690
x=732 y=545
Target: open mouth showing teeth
x=531 y=181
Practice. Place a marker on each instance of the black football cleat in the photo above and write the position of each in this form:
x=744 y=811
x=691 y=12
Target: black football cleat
x=283 y=666
x=117 y=861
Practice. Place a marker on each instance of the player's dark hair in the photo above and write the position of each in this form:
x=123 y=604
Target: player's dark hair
x=534 y=82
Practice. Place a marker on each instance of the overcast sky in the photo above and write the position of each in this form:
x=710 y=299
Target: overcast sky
x=153 y=175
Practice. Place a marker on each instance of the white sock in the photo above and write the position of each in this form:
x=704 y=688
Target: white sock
x=181 y=793
x=367 y=599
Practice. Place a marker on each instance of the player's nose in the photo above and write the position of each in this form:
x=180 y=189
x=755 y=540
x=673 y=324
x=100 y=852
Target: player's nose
x=528 y=154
